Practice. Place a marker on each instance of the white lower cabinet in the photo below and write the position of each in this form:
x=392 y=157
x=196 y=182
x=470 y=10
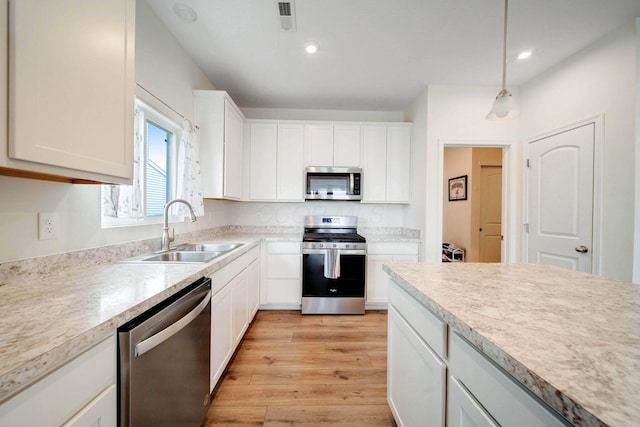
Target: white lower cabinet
x=379 y=253
x=504 y=399
x=422 y=348
x=282 y=276
x=234 y=288
x=80 y=393
x=100 y=412
x=253 y=297
x=463 y=410
x=221 y=337
x=416 y=377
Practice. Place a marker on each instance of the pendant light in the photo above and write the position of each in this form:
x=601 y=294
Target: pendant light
x=503 y=106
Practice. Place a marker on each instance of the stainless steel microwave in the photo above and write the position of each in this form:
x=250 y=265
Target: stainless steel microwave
x=333 y=183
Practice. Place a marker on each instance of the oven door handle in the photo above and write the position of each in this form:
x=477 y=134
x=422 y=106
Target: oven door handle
x=155 y=340
x=342 y=251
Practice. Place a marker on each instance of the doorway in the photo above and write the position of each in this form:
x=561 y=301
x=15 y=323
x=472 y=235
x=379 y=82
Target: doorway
x=474 y=223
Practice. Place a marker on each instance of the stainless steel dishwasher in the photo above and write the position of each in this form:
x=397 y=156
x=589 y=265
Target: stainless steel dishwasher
x=163 y=362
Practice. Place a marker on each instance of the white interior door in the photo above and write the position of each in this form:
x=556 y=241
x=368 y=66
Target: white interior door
x=490 y=245
x=561 y=199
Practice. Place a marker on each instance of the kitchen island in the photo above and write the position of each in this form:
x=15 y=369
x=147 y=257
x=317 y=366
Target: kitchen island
x=571 y=341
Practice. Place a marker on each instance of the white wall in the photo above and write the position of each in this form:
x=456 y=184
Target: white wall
x=456 y=117
x=414 y=214
x=600 y=79
x=162 y=67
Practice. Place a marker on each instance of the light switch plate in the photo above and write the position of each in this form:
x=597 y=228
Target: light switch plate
x=47 y=225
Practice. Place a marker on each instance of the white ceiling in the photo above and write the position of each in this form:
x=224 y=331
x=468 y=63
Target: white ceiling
x=380 y=54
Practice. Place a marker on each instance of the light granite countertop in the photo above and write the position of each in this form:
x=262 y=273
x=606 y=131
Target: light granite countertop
x=55 y=307
x=572 y=339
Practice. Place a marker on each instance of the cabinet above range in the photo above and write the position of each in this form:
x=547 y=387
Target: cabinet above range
x=264 y=159
x=277 y=152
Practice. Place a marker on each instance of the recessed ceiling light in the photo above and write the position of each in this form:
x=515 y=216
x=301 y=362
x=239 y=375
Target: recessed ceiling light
x=311 y=48
x=525 y=54
x=185 y=12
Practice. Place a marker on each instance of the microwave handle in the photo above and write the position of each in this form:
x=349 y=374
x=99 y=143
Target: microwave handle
x=352 y=183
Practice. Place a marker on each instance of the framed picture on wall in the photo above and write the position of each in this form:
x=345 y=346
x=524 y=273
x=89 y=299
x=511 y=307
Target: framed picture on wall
x=458 y=188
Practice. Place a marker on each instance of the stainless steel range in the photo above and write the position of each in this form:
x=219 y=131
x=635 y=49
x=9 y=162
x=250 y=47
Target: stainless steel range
x=333 y=266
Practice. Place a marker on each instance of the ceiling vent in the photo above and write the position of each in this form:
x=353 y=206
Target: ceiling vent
x=286 y=15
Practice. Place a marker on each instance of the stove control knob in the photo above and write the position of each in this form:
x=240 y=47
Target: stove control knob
x=335 y=246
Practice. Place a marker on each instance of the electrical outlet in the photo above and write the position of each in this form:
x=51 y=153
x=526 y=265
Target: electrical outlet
x=47 y=225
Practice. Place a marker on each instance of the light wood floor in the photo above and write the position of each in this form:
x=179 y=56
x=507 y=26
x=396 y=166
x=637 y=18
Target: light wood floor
x=312 y=370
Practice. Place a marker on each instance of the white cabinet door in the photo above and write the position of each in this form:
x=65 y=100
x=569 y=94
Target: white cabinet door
x=253 y=277
x=377 y=279
x=221 y=144
x=374 y=164
x=263 y=160
x=319 y=145
x=398 y=164
x=69 y=391
x=290 y=167
x=346 y=145
x=416 y=377
x=463 y=410
x=240 y=306
x=101 y=411
x=71 y=80
x=221 y=338
x=282 y=276
x=386 y=164
x=233 y=142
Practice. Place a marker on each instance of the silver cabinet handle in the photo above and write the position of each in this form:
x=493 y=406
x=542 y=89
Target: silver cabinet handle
x=582 y=249
x=144 y=346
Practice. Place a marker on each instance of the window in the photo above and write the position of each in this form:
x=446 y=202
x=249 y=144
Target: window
x=154 y=182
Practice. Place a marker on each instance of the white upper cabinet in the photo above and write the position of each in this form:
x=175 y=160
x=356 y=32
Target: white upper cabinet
x=71 y=88
x=319 y=145
x=346 y=145
x=290 y=176
x=275 y=165
x=263 y=161
x=386 y=163
x=221 y=144
x=332 y=145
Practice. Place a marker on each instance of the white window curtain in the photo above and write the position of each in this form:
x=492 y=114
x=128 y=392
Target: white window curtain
x=125 y=201
x=189 y=185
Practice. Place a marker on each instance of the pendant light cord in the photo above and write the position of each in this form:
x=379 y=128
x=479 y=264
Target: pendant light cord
x=504 y=47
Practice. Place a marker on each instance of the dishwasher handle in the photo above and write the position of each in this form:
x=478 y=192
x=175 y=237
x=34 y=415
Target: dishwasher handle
x=144 y=346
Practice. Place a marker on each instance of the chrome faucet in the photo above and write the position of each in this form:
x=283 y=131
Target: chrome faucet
x=168 y=237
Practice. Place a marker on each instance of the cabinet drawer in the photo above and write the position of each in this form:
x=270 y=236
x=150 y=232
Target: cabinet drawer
x=284 y=248
x=505 y=399
x=222 y=277
x=427 y=325
x=57 y=397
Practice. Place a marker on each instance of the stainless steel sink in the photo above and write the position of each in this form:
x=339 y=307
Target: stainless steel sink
x=208 y=247
x=186 y=253
x=180 y=256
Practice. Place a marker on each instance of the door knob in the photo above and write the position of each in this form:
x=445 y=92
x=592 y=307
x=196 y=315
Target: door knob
x=582 y=249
